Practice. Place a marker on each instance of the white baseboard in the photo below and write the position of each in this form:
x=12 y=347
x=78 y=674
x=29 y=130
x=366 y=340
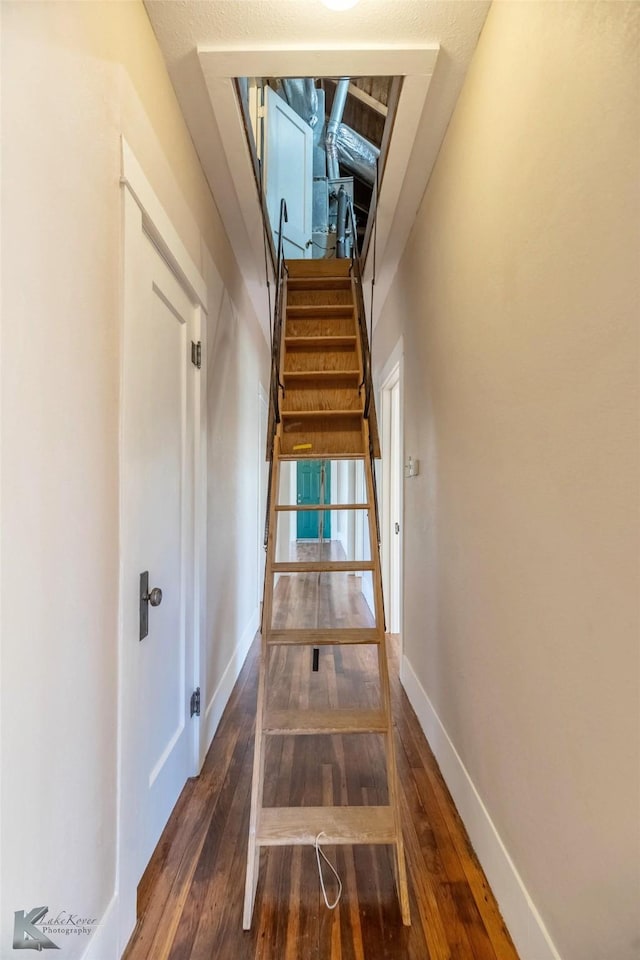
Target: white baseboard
x=103 y=944
x=218 y=701
x=527 y=929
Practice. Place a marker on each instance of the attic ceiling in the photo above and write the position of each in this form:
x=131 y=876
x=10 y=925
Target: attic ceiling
x=206 y=43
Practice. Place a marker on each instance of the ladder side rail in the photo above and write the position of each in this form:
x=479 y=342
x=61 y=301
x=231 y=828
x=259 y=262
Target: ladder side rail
x=374 y=484
x=276 y=387
x=400 y=869
x=276 y=336
x=257 y=782
x=361 y=317
x=277 y=333
x=356 y=270
x=276 y=362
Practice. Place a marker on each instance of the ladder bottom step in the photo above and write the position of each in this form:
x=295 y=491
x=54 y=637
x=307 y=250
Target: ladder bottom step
x=319 y=638
x=289 y=722
x=324 y=452
x=323 y=566
x=291 y=826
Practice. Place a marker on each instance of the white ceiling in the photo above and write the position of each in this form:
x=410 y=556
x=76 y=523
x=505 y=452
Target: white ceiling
x=205 y=42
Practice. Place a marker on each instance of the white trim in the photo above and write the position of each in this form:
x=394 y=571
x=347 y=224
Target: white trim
x=103 y=944
x=395 y=358
x=394 y=367
x=220 y=698
x=317 y=60
x=527 y=929
x=157 y=223
x=199 y=532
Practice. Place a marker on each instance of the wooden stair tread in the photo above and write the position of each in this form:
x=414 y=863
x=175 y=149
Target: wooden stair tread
x=322 y=340
x=329 y=637
x=282 y=826
x=321 y=374
x=303 y=311
x=288 y=414
x=281 y=722
x=322 y=566
x=319 y=283
x=322 y=506
x=330 y=267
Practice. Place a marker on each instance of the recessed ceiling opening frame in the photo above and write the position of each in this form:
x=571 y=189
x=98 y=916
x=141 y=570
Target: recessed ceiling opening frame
x=402 y=189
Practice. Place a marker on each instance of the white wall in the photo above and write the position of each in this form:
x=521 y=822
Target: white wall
x=518 y=300
x=74 y=78
x=235 y=365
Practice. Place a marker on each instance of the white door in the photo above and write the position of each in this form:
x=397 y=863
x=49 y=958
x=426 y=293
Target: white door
x=157 y=477
x=288 y=173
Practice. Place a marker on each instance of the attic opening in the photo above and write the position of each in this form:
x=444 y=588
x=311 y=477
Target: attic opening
x=321 y=143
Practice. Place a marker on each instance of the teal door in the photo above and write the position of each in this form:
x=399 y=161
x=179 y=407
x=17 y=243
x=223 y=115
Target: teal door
x=314 y=523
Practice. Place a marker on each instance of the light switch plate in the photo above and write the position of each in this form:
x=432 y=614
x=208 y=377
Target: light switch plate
x=411 y=468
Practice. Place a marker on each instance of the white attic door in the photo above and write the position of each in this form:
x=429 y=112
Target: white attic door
x=288 y=173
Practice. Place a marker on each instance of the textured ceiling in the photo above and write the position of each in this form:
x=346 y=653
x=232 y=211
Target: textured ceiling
x=183 y=26
x=300 y=22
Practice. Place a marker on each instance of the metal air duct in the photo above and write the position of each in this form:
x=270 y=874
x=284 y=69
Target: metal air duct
x=357 y=154
x=333 y=127
x=302 y=96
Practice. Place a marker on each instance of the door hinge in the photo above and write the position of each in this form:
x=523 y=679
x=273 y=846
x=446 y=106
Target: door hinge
x=195 y=702
x=196 y=353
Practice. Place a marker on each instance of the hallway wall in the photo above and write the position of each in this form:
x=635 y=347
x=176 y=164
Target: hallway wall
x=75 y=76
x=518 y=300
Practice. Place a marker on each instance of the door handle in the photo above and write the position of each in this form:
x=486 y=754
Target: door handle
x=153 y=597
x=397 y=527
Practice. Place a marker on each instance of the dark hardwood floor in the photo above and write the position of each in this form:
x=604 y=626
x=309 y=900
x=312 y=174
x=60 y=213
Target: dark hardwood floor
x=191 y=896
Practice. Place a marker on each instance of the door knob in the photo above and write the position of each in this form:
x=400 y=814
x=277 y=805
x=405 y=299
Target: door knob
x=153 y=597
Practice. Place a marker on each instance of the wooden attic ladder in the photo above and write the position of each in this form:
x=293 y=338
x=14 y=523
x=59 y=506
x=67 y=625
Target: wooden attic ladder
x=321 y=406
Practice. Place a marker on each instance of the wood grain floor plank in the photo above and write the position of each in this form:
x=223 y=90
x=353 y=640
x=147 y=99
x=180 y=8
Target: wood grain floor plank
x=190 y=900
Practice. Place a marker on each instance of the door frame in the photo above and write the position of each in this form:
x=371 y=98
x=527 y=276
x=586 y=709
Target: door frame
x=392 y=376
x=142 y=213
x=263 y=483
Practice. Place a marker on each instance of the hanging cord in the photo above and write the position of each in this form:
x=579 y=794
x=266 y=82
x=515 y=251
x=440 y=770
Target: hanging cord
x=320 y=853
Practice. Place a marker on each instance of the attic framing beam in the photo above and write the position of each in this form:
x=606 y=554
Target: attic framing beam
x=364 y=97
